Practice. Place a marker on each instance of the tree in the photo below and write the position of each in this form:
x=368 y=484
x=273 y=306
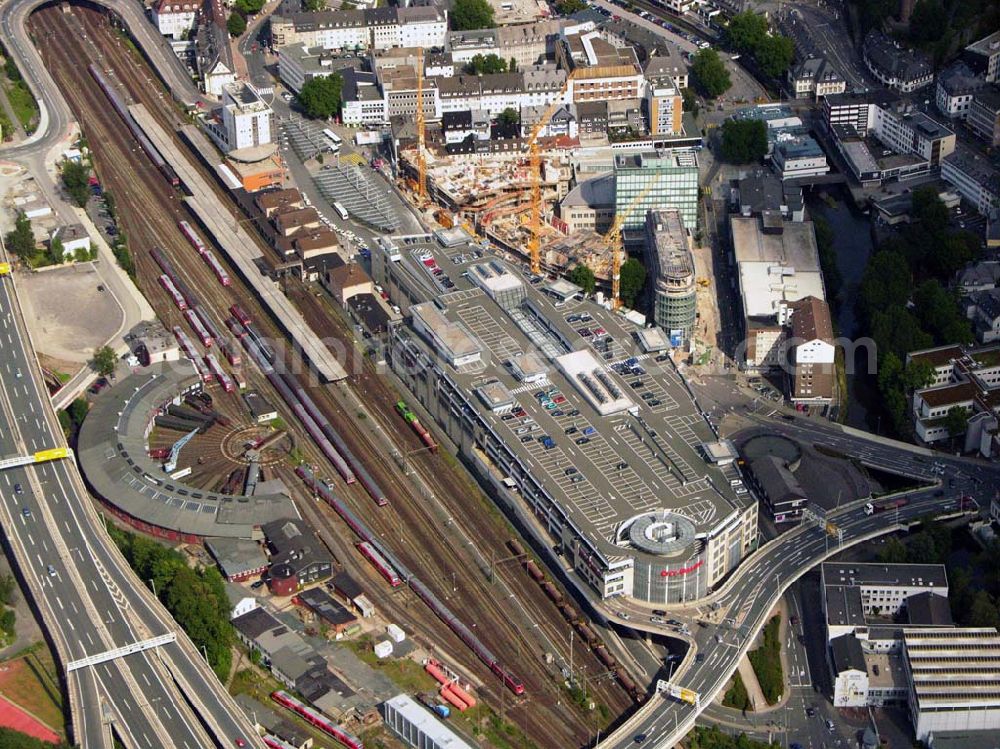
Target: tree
x=928 y=21
x=320 y=97
x=919 y=374
x=633 y=277
x=745 y=31
x=105 y=360
x=471 y=14
x=512 y=65
x=744 y=141
x=583 y=277
x=710 y=74
x=937 y=310
x=248 y=7
x=956 y=421
x=886 y=282
x=21 y=241
x=74 y=178
x=8 y=589
x=893 y=552
x=509 y=117
x=898 y=331
x=983 y=612
x=774 y=55
x=929 y=210
x=488 y=64
x=236 y=24
x=690 y=101
x=57 y=253
x=569 y=7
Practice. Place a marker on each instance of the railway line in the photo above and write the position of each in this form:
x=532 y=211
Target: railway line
x=150 y=212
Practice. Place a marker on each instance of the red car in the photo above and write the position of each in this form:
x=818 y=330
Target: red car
x=559 y=399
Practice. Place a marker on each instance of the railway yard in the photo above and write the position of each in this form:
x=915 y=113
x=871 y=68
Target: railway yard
x=448 y=541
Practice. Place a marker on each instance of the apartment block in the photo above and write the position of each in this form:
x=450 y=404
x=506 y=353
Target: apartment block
x=355 y=30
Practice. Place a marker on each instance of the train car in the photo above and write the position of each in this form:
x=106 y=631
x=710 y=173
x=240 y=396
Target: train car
x=240 y=314
x=209 y=323
x=254 y=332
x=317 y=719
x=232 y=355
x=217 y=269
x=235 y=327
x=169 y=287
x=273 y=742
x=220 y=374
x=379 y=562
x=199 y=329
x=204 y=372
x=185 y=343
x=192 y=237
x=411 y=418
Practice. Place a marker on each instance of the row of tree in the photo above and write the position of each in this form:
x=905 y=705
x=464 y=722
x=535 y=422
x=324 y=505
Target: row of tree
x=905 y=304
x=766 y=662
x=196 y=598
x=631 y=280
x=713 y=738
x=748 y=34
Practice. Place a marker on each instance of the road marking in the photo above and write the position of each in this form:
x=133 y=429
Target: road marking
x=59 y=601
x=31 y=540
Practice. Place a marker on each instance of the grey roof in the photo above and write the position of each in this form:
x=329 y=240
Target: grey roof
x=959 y=79
x=236 y=556
x=762 y=190
x=347 y=585
x=593 y=193
x=847 y=654
x=844 y=606
x=988 y=97
x=816 y=69
x=929 y=609
x=893 y=60
x=255 y=622
x=295 y=544
x=975 y=167
x=775 y=480
x=988 y=302
x=869 y=573
x=112 y=452
x=320 y=602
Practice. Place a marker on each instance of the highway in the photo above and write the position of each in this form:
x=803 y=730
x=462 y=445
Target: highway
x=746 y=600
x=90 y=601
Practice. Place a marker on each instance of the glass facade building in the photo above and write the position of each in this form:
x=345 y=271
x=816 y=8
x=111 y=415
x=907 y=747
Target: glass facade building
x=671 y=175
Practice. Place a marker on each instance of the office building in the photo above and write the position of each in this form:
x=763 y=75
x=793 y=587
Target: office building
x=601 y=72
x=798 y=157
x=671 y=177
x=762 y=191
x=671 y=274
x=983 y=57
x=590 y=206
x=299 y=64
x=246 y=117
x=984 y=115
x=975 y=178
x=857 y=110
x=663 y=109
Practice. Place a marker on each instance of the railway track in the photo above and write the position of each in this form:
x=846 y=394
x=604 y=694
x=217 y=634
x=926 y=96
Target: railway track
x=149 y=213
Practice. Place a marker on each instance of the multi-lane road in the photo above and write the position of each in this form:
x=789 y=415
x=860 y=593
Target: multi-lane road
x=90 y=601
x=745 y=601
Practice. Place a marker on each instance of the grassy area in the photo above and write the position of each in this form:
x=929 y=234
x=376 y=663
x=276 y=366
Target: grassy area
x=406 y=674
x=766 y=662
x=30 y=681
x=736 y=696
x=253 y=682
x=24 y=105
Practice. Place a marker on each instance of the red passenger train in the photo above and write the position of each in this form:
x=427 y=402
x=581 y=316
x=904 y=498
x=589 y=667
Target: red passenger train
x=317 y=719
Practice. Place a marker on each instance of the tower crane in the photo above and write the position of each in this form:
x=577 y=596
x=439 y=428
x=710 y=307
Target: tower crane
x=617 y=244
x=421 y=159
x=535 y=165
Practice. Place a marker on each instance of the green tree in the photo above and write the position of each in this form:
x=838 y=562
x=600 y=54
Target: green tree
x=248 y=7
x=512 y=65
x=77 y=411
x=983 y=612
x=236 y=24
x=471 y=14
x=690 y=101
x=744 y=141
x=509 y=117
x=898 y=331
x=105 y=360
x=736 y=696
x=583 y=277
x=928 y=21
x=894 y=552
x=956 y=421
x=937 y=310
x=75 y=175
x=320 y=97
x=887 y=281
x=919 y=374
x=632 y=279
x=746 y=30
x=929 y=210
x=569 y=7
x=57 y=253
x=314 y=5
x=8 y=589
x=774 y=55
x=832 y=277
x=487 y=64
x=21 y=240
x=710 y=74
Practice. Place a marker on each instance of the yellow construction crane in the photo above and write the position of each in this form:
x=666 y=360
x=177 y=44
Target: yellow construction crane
x=421 y=160
x=535 y=165
x=617 y=244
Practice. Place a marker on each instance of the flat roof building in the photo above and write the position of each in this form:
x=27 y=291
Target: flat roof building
x=416 y=726
x=671 y=270
x=672 y=179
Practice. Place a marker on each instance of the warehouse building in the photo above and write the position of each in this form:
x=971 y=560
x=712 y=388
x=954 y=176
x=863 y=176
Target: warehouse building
x=416 y=726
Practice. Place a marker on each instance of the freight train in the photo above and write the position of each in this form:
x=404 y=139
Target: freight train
x=379 y=562
x=151 y=151
x=323 y=491
x=411 y=418
x=317 y=719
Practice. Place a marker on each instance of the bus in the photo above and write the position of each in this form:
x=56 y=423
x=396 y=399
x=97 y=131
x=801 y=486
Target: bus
x=335 y=140
x=340 y=210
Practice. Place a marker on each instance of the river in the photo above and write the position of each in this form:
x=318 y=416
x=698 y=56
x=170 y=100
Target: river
x=852 y=242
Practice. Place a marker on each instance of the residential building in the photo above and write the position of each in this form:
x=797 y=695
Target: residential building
x=672 y=179
x=592 y=118
x=363 y=102
x=984 y=115
x=213 y=55
x=815 y=77
x=347 y=281
x=857 y=109
x=983 y=57
x=663 y=109
x=601 y=72
x=777 y=263
x=911 y=132
x=175 y=19
x=979 y=276
x=671 y=274
x=461 y=125
x=561 y=124
x=952 y=681
x=799 y=157
x=73 y=237
x=356 y=30
x=297 y=556
x=666 y=65
x=956 y=87
x=626 y=116
x=895 y=66
x=398 y=85
x=983 y=309
x=246 y=118
x=811 y=352
x=416 y=726
x=975 y=178
x=590 y=206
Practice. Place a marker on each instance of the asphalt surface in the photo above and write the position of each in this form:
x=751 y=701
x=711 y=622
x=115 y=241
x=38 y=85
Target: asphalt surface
x=746 y=600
